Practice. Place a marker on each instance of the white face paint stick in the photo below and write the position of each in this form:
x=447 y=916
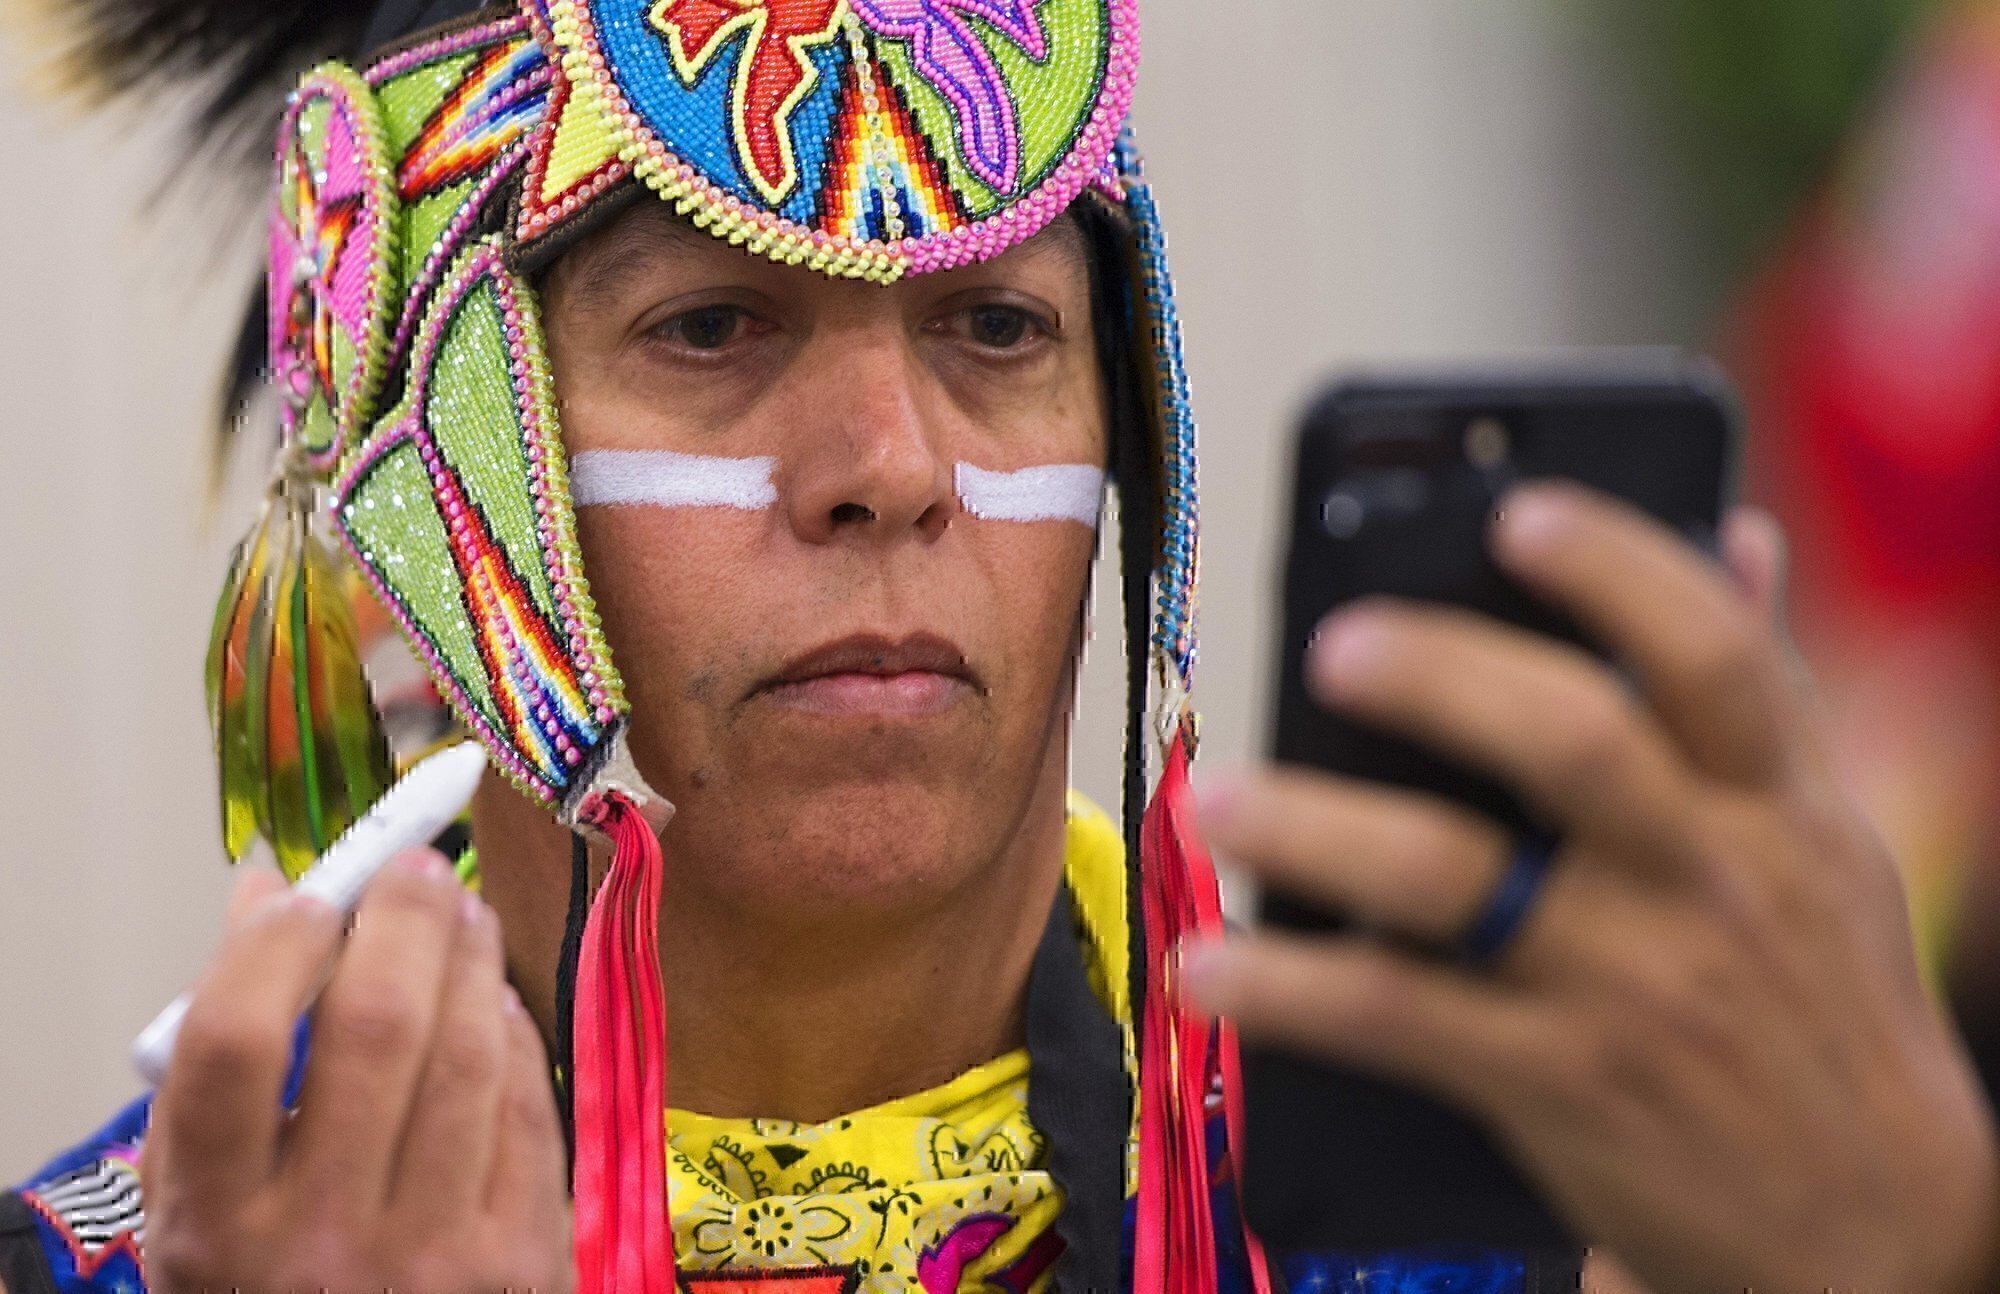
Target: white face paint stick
x=659 y=478
x=1061 y=492
x=410 y=814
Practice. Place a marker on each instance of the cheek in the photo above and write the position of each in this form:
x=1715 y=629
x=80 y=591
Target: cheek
x=676 y=591
x=1033 y=579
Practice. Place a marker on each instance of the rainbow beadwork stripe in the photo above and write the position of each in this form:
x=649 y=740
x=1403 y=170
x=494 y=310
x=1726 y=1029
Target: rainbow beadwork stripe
x=502 y=98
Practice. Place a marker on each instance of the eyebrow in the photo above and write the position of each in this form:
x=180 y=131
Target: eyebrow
x=647 y=237
x=642 y=239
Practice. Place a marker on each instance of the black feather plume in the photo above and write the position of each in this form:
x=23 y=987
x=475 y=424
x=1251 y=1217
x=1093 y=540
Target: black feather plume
x=237 y=59
x=231 y=63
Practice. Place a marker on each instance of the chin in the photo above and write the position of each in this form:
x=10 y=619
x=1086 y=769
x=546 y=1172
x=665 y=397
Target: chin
x=794 y=813
x=856 y=848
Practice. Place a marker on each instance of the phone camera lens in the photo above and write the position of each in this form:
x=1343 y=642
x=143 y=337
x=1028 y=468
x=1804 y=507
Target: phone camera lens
x=1343 y=514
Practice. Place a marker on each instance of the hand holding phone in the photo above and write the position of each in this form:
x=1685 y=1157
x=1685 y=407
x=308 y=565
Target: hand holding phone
x=1398 y=483
x=1709 y=1047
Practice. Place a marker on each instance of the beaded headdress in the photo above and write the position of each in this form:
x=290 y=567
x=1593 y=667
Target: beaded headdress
x=418 y=188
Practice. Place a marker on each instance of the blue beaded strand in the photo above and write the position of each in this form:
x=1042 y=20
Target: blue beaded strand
x=1173 y=627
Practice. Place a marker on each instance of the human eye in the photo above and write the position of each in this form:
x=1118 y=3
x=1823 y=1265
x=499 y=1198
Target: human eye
x=706 y=329
x=999 y=329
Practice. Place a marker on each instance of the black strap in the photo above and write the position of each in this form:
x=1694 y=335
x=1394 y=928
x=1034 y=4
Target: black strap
x=1079 y=1099
x=572 y=949
x=1135 y=468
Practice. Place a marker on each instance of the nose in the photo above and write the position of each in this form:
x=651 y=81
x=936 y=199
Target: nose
x=869 y=467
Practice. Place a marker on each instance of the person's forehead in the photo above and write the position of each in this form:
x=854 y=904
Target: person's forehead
x=650 y=234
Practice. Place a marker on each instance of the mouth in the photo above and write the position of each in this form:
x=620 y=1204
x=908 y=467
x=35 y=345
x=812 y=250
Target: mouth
x=874 y=676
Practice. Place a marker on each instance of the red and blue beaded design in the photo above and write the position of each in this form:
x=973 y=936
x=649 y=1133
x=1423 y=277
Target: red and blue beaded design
x=862 y=138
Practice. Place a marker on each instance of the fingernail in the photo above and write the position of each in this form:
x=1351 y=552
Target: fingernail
x=309 y=904
x=1533 y=516
x=1205 y=966
x=1217 y=798
x=264 y=908
x=427 y=863
x=1351 y=649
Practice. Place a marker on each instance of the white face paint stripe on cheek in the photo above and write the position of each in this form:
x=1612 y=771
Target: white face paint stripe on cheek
x=1060 y=492
x=661 y=479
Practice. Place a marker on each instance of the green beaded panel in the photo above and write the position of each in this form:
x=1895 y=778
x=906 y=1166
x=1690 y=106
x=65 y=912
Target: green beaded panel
x=472 y=414
x=408 y=101
x=390 y=516
x=458 y=509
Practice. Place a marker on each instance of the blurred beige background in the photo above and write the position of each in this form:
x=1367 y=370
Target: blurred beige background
x=1452 y=177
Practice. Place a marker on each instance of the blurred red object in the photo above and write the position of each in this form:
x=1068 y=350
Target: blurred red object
x=1870 y=352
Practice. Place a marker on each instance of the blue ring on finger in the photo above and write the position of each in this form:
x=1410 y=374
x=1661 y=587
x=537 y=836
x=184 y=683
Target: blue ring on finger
x=1512 y=899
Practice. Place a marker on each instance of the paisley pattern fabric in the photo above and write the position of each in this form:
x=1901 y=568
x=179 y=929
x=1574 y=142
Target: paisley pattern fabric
x=937 y=1192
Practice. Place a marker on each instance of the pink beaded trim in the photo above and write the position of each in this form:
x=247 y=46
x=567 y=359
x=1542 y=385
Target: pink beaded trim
x=555 y=523
x=379 y=218
x=726 y=215
x=445 y=46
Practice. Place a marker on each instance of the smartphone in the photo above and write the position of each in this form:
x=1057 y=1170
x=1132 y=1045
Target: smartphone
x=1399 y=479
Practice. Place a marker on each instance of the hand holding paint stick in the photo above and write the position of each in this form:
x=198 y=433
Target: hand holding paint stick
x=411 y=814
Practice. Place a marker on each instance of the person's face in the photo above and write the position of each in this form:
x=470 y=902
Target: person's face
x=852 y=692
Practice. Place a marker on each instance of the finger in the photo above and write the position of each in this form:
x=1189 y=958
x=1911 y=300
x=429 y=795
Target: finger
x=529 y=1185
x=448 y=1151
x=1755 y=550
x=1707 y=662
x=255 y=883
x=1354 y=1003
x=218 y=1115
x=1384 y=857
x=371 y=1035
x=1758 y=552
x=1543 y=717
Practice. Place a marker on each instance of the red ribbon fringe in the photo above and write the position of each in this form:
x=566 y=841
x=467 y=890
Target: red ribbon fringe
x=1182 y=1057
x=624 y=1236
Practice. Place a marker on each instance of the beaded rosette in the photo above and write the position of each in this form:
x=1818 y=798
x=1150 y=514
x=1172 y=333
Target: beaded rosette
x=866 y=139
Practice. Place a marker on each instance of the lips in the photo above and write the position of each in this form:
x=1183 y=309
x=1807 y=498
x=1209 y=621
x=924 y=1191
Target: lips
x=874 y=675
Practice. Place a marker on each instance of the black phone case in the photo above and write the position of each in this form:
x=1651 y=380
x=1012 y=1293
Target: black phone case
x=1394 y=495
